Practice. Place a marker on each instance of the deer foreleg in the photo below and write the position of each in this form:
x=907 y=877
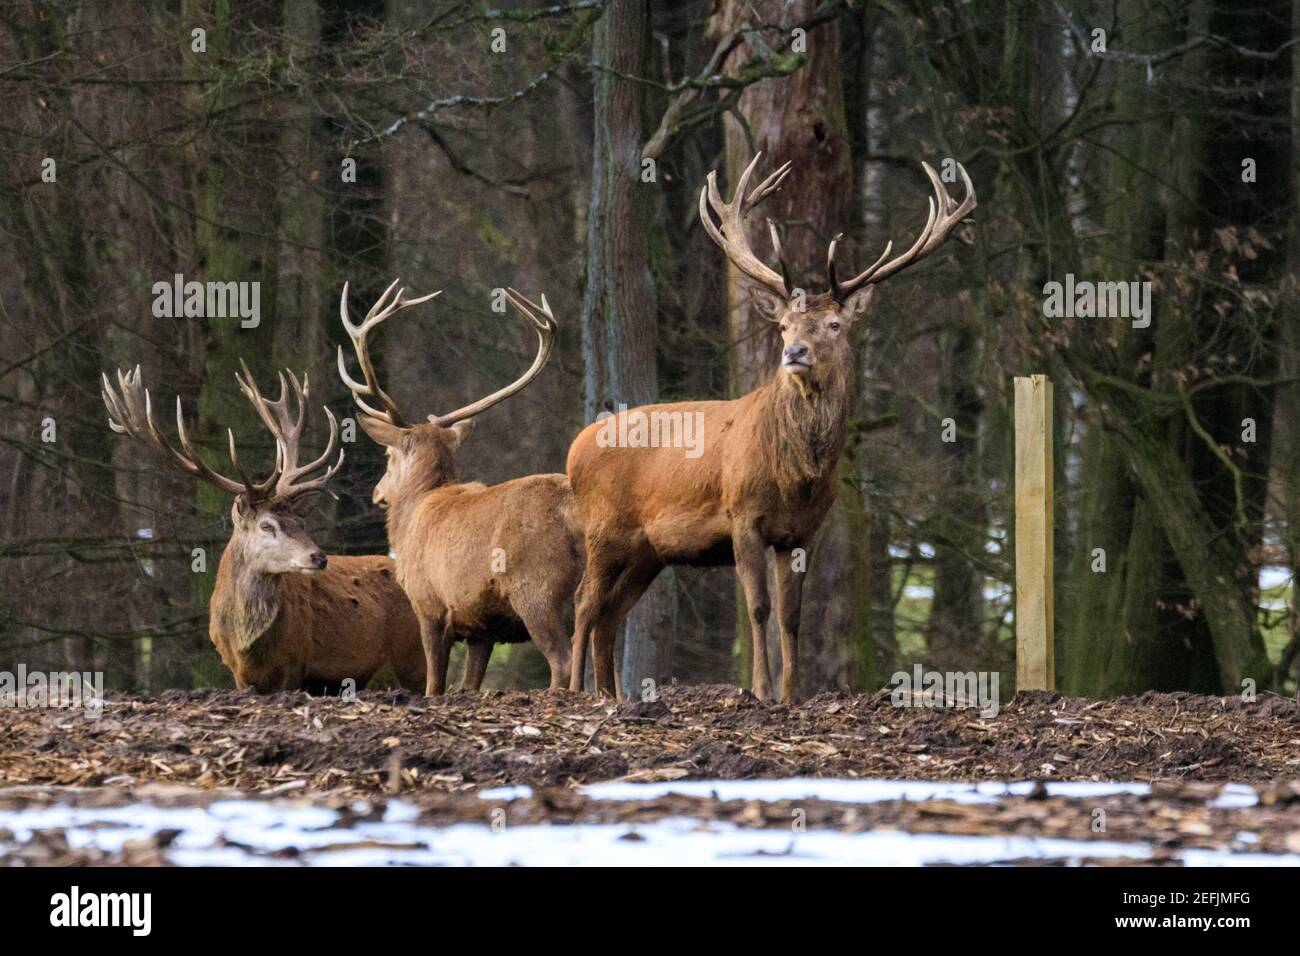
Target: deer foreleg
x=436 y=639
x=476 y=662
x=751 y=568
x=789 y=601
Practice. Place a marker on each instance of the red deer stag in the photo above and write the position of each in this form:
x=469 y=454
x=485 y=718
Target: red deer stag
x=765 y=474
x=480 y=564
x=283 y=616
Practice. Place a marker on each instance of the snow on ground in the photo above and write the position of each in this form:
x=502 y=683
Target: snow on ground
x=248 y=832
x=864 y=791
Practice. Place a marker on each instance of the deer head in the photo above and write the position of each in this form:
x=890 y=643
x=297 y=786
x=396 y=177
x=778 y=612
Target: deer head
x=422 y=456
x=814 y=328
x=270 y=534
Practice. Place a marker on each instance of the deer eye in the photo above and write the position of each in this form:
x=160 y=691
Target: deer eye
x=268 y=528
x=834 y=326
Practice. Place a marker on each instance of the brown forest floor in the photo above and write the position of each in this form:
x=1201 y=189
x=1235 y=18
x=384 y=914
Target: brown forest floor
x=189 y=748
x=390 y=742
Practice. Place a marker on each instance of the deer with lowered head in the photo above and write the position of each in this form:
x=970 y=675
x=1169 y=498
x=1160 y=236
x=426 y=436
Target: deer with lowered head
x=283 y=615
x=766 y=475
x=483 y=564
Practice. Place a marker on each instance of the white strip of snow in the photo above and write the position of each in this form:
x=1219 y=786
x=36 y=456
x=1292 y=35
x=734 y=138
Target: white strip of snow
x=840 y=791
x=206 y=839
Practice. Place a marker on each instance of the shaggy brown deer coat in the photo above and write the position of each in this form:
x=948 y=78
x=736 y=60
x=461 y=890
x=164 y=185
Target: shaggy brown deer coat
x=283 y=615
x=766 y=474
x=483 y=564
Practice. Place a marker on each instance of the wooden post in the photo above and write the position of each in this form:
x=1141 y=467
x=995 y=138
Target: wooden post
x=1035 y=660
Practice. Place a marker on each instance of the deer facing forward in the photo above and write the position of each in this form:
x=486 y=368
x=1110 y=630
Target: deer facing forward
x=283 y=615
x=766 y=476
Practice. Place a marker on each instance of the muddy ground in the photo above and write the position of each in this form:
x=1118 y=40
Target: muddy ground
x=189 y=748
x=396 y=742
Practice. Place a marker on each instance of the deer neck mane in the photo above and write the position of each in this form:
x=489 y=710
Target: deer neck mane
x=248 y=607
x=802 y=427
x=427 y=475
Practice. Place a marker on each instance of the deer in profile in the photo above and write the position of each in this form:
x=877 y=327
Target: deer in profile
x=283 y=615
x=483 y=564
x=766 y=476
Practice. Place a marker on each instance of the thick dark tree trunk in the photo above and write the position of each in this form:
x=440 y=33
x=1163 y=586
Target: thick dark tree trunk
x=619 y=312
x=801 y=118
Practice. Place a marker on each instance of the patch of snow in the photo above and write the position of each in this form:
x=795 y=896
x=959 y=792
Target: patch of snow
x=840 y=791
x=220 y=834
x=1235 y=796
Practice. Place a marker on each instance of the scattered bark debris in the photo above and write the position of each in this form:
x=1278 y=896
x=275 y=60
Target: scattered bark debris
x=400 y=743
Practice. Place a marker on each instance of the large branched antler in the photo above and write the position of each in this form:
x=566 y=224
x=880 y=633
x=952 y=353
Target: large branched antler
x=729 y=234
x=370 y=388
x=291 y=479
x=543 y=322
x=945 y=214
x=130 y=412
x=539 y=316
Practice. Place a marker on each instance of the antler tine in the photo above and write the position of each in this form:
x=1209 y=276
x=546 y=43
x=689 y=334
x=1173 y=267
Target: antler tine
x=543 y=322
x=290 y=484
x=130 y=412
x=301 y=391
x=370 y=388
x=780 y=256
x=729 y=232
x=254 y=491
x=287 y=430
x=945 y=213
x=116 y=414
x=275 y=416
x=767 y=187
x=272 y=413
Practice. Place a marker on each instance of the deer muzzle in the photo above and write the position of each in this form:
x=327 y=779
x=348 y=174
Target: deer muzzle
x=796 y=359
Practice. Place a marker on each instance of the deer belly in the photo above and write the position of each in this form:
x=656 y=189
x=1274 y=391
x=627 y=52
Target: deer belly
x=499 y=624
x=692 y=538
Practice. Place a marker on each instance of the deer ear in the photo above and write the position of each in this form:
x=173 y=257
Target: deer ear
x=858 y=304
x=462 y=429
x=381 y=431
x=769 y=305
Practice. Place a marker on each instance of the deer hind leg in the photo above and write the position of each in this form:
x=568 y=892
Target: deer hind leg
x=637 y=575
x=751 y=568
x=436 y=638
x=789 y=602
x=545 y=626
x=578 y=654
x=476 y=662
x=591 y=604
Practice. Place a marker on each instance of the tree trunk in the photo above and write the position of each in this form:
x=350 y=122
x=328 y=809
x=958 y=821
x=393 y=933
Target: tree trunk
x=800 y=118
x=235 y=240
x=619 y=312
